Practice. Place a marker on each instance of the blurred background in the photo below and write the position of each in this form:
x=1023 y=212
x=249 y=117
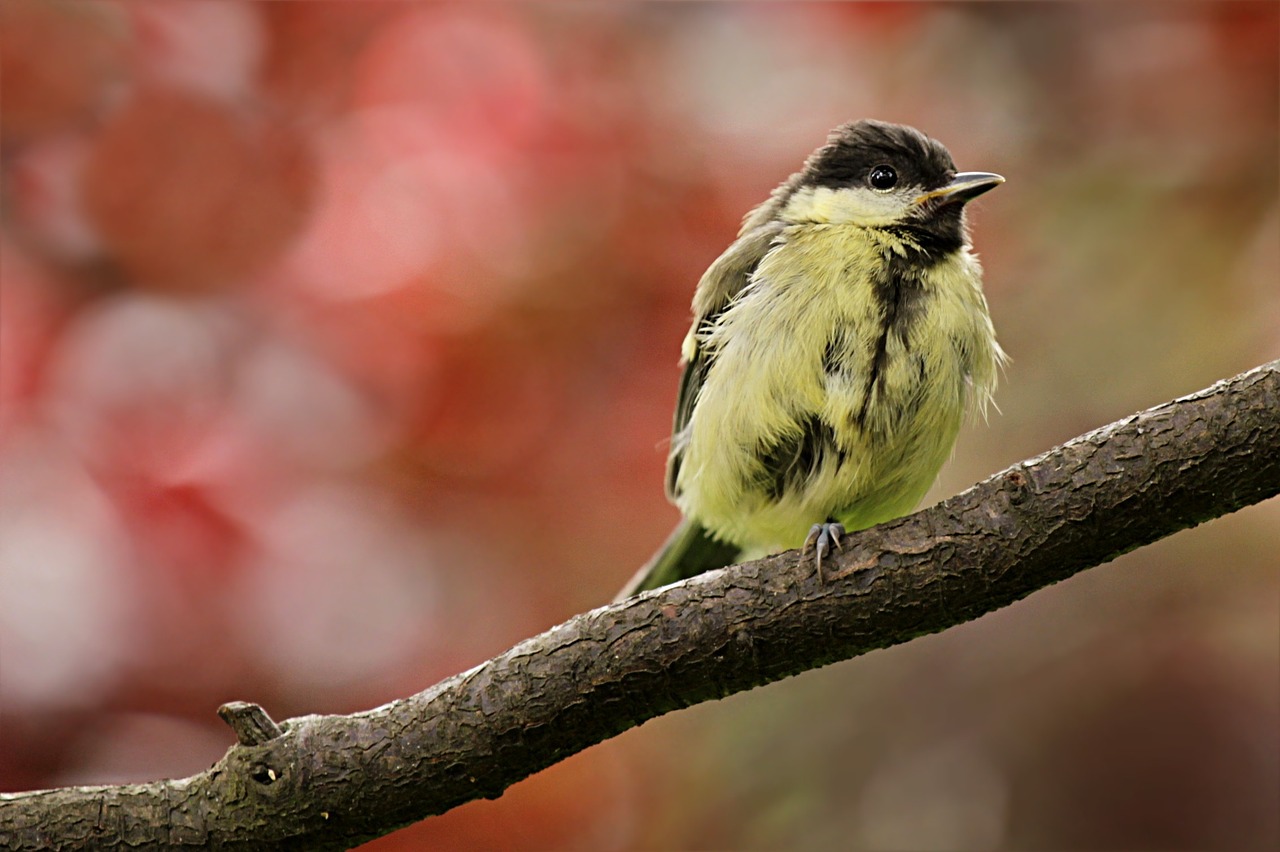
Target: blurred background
x=338 y=348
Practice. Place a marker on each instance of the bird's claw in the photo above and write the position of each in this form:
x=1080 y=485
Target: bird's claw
x=823 y=538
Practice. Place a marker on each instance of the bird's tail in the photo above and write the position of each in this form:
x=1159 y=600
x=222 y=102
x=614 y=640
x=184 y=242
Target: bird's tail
x=688 y=551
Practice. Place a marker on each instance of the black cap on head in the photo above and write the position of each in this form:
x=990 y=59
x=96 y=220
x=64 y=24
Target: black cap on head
x=854 y=149
x=886 y=157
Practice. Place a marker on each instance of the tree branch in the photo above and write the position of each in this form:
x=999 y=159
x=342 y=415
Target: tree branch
x=330 y=782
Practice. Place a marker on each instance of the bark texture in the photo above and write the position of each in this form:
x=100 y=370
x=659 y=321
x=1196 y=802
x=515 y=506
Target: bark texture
x=331 y=782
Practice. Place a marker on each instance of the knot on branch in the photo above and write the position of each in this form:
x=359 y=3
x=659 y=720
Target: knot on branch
x=250 y=722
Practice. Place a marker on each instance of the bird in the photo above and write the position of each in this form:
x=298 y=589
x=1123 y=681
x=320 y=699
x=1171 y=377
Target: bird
x=836 y=348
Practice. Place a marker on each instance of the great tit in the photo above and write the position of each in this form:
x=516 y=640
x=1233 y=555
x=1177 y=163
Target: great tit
x=836 y=348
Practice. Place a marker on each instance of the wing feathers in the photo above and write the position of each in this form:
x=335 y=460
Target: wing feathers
x=719 y=285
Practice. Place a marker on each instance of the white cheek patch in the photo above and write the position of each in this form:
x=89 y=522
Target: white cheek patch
x=848 y=206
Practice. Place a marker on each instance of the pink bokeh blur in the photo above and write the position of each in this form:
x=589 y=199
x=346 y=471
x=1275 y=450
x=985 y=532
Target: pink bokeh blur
x=338 y=346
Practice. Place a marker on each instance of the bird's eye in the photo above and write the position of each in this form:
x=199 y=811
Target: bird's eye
x=882 y=178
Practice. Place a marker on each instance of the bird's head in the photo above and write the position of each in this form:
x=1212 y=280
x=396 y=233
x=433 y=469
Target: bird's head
x=877 y=175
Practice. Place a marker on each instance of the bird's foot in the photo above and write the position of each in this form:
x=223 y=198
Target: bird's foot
x=823 y=538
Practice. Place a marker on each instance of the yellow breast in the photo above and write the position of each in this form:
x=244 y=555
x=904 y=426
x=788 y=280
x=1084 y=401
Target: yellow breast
x=841 y=375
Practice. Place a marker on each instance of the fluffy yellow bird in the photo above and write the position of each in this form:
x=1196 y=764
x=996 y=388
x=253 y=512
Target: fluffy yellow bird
x=835 y=350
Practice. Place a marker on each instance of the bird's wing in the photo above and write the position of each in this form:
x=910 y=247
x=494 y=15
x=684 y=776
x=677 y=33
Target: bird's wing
x=722 y=281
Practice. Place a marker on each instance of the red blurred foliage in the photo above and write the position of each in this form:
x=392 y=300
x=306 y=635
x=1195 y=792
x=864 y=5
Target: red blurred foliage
x=30 y=317
x=476 y=72
x=315 y=48
x=58 y=62
x=484 y=418
x=190 y=194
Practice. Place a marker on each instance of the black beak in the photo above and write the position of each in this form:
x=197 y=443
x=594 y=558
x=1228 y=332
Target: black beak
x=965 y=186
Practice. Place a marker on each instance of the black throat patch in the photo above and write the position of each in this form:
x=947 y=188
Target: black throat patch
x=931 y=234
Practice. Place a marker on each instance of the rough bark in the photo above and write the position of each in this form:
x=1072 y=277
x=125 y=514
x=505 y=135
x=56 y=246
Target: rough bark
x=331 y=782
